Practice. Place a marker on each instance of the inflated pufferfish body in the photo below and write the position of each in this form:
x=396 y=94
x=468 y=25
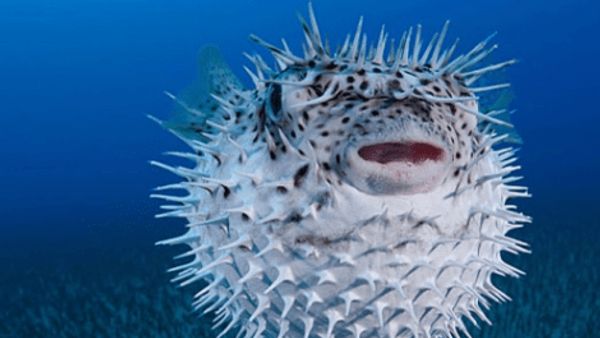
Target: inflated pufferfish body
x=350 y=194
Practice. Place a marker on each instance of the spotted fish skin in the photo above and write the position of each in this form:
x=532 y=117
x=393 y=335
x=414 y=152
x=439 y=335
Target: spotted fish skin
x=355 y=193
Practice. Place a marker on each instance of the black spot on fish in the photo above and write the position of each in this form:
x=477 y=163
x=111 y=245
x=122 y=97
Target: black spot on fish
x=226 y=191
x=218 y=159
x=295 y=218
x=331 y=66
x=394 y=84
x=275 y=98
x=300 y=175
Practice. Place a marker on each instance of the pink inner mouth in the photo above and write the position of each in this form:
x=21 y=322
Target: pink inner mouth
x=414 y=152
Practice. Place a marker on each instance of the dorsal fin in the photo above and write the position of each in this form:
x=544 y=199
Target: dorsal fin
x=499 y=101
x=195 y=104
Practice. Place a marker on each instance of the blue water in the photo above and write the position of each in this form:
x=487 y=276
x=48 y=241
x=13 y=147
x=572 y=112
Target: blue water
x=78 y=77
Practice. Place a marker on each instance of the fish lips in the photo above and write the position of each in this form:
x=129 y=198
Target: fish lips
x=406 y=166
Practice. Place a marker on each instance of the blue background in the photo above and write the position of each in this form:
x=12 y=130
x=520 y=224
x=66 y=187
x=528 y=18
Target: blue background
x=77 y=78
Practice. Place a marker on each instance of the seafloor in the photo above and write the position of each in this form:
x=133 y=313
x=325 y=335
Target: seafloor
x=123 y=291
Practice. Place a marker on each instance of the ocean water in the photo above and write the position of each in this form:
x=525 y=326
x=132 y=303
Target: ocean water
x=77 y=78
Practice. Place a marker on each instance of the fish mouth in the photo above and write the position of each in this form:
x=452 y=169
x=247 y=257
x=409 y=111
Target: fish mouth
x=412 y=152
x=388 y=166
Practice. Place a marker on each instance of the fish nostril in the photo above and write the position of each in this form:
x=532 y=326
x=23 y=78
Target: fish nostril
x=414 y=152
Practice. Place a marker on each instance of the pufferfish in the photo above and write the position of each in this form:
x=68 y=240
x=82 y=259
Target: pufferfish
x=360 y=192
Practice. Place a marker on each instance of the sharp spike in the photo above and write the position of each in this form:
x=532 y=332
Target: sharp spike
x=356 y=41
x=345 y=48
x=287 y=143
x=284 y=327
x=308 y=325
x=380 y=46
x=392 y=52
x=481 y=71
x=476 y=59
x=225 y=259
x=274 y=244
x=219 y=220
x=333 y=317
x=255 y=79
x=232 y=323
x=312 y=297
x=188 y=156
x=438 y=47
x=326 y=96
x=285 y=46
x=424 y=58
x=184 y=105
x=288 y=302
x=194 y=251
x=188 y=237
x=406 y=47
x=175 y=186
x=229 y=183
x=209 y=287
x=315 y=29
x=417 y=47
x=349 y=297
x=243 y=240
x=179 y=199
x=155 y=119
x=243 y=153
x=284 y=273
x=192 y=264
x=489 y=88
x=177 y=213
x=263 y=303
x=287 y=58
x=217 y=126
x=222 y=101
x=256 y=179
x=442 y=99
x=399 y=52
x=470 y=55
x=483 y=117
x=220 y=319
x=447 y=55
x=362 y=55
x=254 y=269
